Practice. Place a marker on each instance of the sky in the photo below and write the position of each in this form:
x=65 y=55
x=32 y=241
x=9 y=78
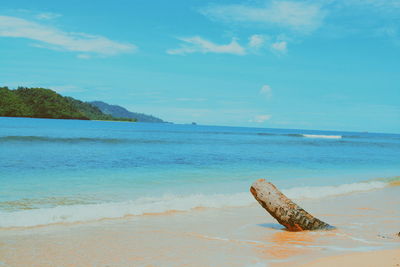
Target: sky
x=322 y=64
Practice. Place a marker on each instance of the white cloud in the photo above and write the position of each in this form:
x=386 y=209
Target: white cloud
x=280 y=47
x=47 y=16
x=197 y=44
x=256 y=41
x=266 y=91
x=259 y=41
x=261 y=118
x=298 y=16
x=54 y=38
x=83 y=56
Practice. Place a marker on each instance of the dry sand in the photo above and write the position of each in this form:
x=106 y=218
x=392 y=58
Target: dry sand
x=244 y=236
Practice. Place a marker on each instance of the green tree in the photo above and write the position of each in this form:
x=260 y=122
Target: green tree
x=11 y=105
x=45 y=103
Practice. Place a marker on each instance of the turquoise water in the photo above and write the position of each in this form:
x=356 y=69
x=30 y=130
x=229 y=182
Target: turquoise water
x=51 y=170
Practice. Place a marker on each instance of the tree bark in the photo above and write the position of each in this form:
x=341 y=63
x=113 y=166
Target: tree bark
x=283 y=209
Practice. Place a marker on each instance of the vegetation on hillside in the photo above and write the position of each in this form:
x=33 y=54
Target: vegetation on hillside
x=118 y=111
x=45 y=103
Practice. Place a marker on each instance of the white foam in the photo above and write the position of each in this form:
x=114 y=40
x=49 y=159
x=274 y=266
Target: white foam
x=82 y=213
x=91 y=212
x=316 y=192
x=322 y=136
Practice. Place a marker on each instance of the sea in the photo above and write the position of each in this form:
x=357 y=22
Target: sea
x=68 y=171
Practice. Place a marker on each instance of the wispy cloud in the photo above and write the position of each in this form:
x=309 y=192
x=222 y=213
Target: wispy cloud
x=197 y=44
x=266 y=91
x=47 y=16
x=279 y=47
x=297 y=16
x=83 y=56
x=256 y=41
x=389 y=31
x=367 y=18
x=261 y=118
x=53 y=38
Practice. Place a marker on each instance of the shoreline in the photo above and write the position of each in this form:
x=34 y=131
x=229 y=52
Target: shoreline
x=241 y=236
x=165 y=204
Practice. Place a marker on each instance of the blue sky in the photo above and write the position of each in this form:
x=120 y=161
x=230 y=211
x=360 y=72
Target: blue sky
x=323 y=64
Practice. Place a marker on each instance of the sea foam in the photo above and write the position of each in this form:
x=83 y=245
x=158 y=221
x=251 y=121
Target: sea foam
x=322 y=136
x=309 y=192
x=141 y=206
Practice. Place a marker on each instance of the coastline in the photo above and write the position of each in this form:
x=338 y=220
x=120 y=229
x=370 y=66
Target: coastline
x=242 y=236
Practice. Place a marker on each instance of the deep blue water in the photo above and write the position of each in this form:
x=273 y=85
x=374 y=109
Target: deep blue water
x=46 y=163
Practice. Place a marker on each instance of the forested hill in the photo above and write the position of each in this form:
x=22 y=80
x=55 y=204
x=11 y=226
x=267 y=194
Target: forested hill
x=45 y=103
x=119 y=111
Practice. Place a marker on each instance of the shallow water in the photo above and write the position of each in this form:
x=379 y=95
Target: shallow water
x=67 y=170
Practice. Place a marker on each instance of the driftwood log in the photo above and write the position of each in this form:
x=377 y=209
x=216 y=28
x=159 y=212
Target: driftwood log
x=283 y=209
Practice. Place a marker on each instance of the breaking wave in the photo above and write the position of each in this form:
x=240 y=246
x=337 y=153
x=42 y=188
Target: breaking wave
x=322 y=136
x=143 y=206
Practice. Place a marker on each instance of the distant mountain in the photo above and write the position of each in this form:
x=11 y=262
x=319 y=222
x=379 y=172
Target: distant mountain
x=45 y=103
x=118 y=111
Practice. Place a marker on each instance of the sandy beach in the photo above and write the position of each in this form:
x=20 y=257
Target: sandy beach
x=365 y=259
x=366 y=223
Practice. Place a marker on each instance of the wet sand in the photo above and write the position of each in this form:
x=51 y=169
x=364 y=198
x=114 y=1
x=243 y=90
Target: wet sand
x=244 y=236
x=389 y=258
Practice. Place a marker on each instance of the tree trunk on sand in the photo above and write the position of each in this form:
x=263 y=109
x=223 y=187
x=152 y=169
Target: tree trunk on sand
x=283 y=209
